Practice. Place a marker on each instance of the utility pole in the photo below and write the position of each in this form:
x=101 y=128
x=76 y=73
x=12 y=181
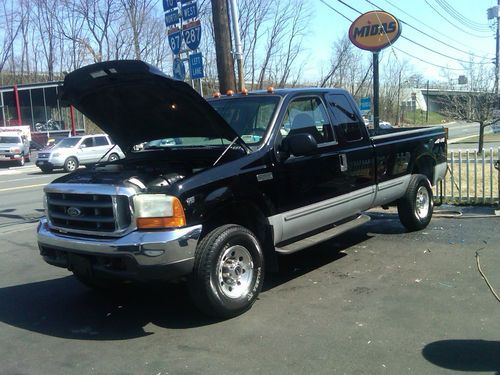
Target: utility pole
x=225 y=66
x=238 y=53
x=494 y=13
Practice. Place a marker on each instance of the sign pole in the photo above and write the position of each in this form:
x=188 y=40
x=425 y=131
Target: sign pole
x=376 y=119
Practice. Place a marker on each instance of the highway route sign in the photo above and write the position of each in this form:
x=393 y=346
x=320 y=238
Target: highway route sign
x=196 y=65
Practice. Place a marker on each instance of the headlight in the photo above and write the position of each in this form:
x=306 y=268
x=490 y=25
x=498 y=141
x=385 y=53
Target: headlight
x=15 y=150
x=155 y=211
x=56 y=154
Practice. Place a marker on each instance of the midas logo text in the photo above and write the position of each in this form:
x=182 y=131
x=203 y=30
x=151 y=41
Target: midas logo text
x=370 y=30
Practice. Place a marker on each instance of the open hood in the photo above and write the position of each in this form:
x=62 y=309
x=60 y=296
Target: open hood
x=134 y=102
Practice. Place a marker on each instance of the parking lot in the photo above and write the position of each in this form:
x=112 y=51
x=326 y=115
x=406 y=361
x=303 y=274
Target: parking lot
x=376 y=300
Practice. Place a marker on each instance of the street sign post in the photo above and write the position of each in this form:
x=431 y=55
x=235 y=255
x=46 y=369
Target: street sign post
x=196 y=65
x=179 y=69
x=191 y=33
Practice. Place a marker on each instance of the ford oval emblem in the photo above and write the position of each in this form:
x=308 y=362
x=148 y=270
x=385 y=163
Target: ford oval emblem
x=73 y=211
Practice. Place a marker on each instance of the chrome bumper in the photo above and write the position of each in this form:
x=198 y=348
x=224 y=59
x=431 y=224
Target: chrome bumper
x=142 y=250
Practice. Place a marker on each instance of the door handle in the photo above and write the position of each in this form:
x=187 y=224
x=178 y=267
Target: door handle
x=343 y=162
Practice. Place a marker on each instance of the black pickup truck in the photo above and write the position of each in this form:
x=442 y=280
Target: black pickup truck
x=214 y=191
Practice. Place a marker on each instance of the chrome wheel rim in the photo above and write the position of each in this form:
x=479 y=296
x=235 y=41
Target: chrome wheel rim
x=71 y=165
x=113 y=158
x=422 y=202
x=235 y=271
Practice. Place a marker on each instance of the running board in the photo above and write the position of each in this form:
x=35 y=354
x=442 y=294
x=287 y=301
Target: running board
x=323 y=236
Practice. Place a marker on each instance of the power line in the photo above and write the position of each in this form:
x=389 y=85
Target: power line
x=452 y=24
x=426 y=25
x=461 y=18
x=428 y=35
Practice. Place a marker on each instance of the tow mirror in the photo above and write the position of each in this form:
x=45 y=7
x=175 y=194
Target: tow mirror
x=300 y=144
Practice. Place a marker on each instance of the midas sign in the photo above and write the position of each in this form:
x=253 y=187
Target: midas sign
x=374 y=30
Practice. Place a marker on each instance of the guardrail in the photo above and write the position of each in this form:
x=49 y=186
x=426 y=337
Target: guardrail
x=471 y=179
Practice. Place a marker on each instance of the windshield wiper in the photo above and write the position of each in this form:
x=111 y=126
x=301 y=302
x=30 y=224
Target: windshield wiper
x=227 y=149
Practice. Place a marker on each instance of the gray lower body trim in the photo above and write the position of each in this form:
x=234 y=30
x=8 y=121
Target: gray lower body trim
x=306 y=219
x=389 y=191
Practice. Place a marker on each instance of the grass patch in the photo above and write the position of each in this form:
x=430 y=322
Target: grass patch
x=482 y=186
x=418 y=119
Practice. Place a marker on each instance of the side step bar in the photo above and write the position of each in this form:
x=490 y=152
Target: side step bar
x=323 y=236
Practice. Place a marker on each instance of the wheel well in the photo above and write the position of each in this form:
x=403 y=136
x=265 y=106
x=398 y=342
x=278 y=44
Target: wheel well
x=425 y=166
x=248 y=215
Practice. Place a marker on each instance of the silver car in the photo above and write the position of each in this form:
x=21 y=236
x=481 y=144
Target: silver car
x=72 y=152
x=14 y=147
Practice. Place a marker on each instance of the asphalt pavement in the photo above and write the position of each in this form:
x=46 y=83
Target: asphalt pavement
x=376 y=300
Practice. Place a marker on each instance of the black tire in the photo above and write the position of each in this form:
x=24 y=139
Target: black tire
x=71 y=164
x=416 y=206
x=113 y=157
x=46 y=169
x=235 y=250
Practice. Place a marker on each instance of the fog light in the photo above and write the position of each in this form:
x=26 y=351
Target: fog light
x=154 y=253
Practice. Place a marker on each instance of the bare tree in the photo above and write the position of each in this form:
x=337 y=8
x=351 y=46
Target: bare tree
x=477 y=103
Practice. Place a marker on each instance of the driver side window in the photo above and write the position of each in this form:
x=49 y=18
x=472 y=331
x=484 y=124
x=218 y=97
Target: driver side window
x=307 y=115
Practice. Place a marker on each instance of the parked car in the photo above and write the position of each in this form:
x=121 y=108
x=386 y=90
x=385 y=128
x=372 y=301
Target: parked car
x=211 y=207
x=385 y=125
x=69 y=153
x=14 y=147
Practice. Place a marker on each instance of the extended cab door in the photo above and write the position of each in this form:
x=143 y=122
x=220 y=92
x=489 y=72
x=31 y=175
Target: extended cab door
x=356 y=152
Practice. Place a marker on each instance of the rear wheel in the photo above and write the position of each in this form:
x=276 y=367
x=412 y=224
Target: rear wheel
x=71 y=164
x=113 y=157
x=416 y=206
x=228 y=271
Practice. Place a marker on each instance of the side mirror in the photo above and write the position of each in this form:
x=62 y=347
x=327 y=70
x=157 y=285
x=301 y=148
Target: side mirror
x=83 y=145
x=300 y=144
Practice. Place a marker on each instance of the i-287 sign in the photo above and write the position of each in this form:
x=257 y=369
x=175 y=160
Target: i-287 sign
x=191 y=33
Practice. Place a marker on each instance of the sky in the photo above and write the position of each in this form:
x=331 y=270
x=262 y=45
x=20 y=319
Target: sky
x=469 y=32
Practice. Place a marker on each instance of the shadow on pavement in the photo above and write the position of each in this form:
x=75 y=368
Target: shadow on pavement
x=63 y=308
x=464 y=355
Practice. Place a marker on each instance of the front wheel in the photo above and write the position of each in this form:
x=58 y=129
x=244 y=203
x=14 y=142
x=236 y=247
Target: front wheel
x=228 y=271
x=416 y=206
x=71 y=164
x=20 y=162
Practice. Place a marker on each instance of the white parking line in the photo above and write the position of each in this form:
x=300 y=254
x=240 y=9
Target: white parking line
x=26 y=178
x=23 y=187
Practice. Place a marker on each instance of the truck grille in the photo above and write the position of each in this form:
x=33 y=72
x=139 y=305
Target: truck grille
x=88 y=212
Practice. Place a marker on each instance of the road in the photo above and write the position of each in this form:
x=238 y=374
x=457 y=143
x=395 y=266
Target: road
x=376 y=300
x=461 y=131
x=21 y=193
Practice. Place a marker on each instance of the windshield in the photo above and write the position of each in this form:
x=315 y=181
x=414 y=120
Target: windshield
x=68 y=142
x=248 y=116
x=10 y=140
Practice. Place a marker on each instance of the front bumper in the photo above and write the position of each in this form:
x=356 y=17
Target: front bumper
x=10 y=157
x=137 y=256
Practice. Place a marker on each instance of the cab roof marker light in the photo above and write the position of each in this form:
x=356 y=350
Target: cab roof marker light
x=244 y=91
x=270 y=89
x=216 y=94
x=230 y=93
x=98 y=74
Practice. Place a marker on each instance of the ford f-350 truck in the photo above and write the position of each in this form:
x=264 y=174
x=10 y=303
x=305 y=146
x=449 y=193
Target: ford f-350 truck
x=239 y=180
